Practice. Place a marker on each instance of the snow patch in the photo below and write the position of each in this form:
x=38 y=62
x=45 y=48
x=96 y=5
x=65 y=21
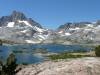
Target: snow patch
x=88 y=29
x=89 y=25
x=68 y=34
x=34 y=27
x=60 y=31
x=41 y=36
x=26 y=22
x=98 y=26
x=77 y=28
x=10 y=24
x=31 y=41
x=39 y=29
x=24 y=31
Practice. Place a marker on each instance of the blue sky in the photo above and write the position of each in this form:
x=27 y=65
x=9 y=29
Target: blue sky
x=52 y=13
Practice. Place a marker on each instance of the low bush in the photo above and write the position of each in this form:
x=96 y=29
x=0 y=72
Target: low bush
x=9 y=67
x=65 y=56
x=97 y=51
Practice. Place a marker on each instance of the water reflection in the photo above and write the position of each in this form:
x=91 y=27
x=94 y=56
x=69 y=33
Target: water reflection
x=27 y=53
x=4 y=52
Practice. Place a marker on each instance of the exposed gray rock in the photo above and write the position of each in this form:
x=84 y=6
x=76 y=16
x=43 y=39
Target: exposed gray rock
x=81 y=33
x=18 y=28
x=80 y=66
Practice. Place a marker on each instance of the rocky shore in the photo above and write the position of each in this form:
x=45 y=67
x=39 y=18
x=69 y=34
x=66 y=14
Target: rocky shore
x=79 y=66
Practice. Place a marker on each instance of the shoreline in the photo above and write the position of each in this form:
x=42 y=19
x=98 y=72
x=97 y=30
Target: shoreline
x=81 y=66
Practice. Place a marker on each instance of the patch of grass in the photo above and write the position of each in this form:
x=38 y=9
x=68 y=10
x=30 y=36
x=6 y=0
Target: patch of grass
x=80 y=51
x=66 y=55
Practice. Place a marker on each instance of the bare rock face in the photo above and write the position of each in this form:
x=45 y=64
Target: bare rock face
x=18 y=28
x=80 y=66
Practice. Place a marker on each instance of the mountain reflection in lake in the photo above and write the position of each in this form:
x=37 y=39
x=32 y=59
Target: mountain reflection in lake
x=27 y=53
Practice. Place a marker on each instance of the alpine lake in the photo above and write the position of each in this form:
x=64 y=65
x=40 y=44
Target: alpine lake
x=35 y=53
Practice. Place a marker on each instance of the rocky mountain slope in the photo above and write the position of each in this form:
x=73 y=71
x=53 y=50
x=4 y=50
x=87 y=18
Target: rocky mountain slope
x=17 y=27
x=83 y=32
x=80 y=66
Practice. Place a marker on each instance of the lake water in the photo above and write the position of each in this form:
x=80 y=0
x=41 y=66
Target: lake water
x=25 y=53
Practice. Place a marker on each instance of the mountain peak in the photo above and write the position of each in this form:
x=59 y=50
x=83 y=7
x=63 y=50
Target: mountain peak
x=16 y=15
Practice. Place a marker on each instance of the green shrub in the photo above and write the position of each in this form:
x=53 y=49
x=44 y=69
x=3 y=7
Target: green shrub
x=10 y=66
x=1 y=42
x=64 y=56
x=97 y=51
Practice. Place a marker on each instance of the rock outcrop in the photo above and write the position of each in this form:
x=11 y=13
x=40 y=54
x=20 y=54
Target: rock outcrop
x=80 y=66
x=18 y=28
